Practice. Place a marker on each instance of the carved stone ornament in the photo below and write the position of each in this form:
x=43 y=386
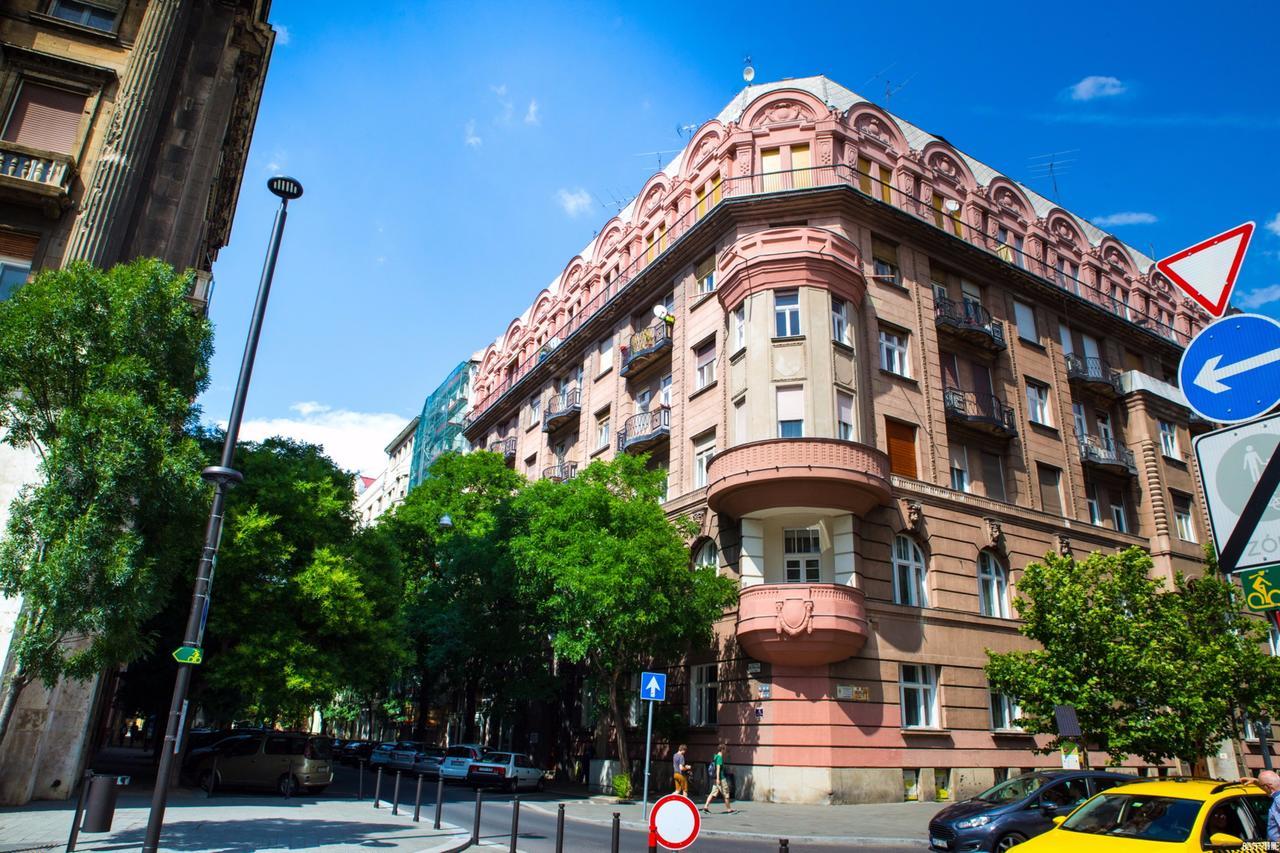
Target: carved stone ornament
x=1064 y=545
x=946 y=167
x=651 y=203
x=705 y=148
x=1006 y=198
x=698 y=515
x=915 y=515
x=869 y=125
x=786 y=111
x=795 y=616
x=1063 y=232
x=994 y=531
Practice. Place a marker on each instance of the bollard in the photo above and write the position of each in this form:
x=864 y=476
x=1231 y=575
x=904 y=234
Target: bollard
x=783 y=845
x=417 y=801
x=360 y=771
x=377 y=789
x=560 y=829
x=395 y=797
x=617 y=833
x=439 y=798
x=213 y=778
x=475 y=827
x=515 y=821
x=75 y=821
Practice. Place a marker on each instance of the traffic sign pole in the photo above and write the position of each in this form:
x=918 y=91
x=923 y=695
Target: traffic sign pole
x=648 y=752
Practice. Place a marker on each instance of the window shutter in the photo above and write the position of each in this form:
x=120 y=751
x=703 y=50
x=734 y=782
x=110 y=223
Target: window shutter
x=844 y=407
x=20 y=247
x=993 y=476
x=1050 y=498
x=706 y=354
x=884 y=250
x=705 y=267
x=45 y=118
x=791 y=403
x=901 y=439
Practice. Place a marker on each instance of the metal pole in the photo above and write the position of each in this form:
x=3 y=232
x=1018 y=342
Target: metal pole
x=395 y=797
x=213 y=777
x=783 y=845
x=360 y=771
x=417 y=801
x=648 y=751
x=75 y=821
x=560 y=829
x=223 y=477
x=439 y=798
x=377 y=788
x=617 y=833
x=515 y=821
x=1264 y=744
x=475 y=826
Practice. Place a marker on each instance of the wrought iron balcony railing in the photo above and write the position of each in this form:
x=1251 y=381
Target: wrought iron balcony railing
x=982 y=410
x=505 y=446
x=643 y=430
x=645 y=345
x=1093 y=371
x=561 y=472
x=971 y=320
x=561 y=407
x=1097 y=450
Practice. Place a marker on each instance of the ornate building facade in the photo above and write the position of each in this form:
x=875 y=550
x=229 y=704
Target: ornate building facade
x=883 y=377
x=124 y=129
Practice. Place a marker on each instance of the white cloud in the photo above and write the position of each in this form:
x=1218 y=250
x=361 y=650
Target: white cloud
x=355 y=440
x=1095 y=86
x=1259 y=297
x=470 y=137
x=531 y=115
x=1125 y=217
x=500 y=90
x=282 y=35
x=574 y=202
x=1273 y=225
x=508 y=106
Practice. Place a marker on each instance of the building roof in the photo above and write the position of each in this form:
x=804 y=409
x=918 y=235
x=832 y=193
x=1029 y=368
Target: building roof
x=403 y=435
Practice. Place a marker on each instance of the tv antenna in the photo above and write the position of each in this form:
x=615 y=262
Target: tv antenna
x=658 y=154
x=685 y=131
x=890 y=90
x=1051 y=165
x=748 y=71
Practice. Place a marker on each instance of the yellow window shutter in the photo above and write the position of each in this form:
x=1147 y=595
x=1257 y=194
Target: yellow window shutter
x=886 y=185
x=715 y=190
x=800 y=164
x=864 y=175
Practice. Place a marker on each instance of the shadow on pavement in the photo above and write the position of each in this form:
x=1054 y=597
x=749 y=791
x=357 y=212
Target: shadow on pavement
x=258 y=833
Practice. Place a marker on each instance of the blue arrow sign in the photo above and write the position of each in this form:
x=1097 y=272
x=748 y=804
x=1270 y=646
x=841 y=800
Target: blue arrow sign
x=653 y=686
x=1230 y=372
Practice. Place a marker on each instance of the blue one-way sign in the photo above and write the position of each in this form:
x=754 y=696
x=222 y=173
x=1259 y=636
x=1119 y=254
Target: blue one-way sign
x=653 y=686
x=1230 y=372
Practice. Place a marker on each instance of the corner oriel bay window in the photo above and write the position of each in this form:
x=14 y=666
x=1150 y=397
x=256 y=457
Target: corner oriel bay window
x=786 y=314
x=840 y=321
x=919 y=696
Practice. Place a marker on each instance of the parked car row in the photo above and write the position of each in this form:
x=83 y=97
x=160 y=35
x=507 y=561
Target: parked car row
x=284 y=761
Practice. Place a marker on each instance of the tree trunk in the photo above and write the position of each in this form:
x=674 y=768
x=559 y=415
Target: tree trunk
x=469 y=710
x=13 y=687
x=619 y=729
x=424 y=698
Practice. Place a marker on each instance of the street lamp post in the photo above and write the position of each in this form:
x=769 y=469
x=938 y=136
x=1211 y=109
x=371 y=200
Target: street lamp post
x=224 y=478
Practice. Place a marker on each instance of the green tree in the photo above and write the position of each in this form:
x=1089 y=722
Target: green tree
x=98 y=371
x=1152 y=670
x=611 y=576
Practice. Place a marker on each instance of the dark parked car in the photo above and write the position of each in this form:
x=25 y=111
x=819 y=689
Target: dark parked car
x=1016 y=809
x=356 y=751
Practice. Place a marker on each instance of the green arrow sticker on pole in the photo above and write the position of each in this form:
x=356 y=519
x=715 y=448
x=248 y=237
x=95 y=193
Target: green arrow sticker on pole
x=1261 y=588
x=188 y=654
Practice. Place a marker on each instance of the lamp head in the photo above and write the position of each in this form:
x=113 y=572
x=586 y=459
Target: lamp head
x=285 y=187
x=446 y=523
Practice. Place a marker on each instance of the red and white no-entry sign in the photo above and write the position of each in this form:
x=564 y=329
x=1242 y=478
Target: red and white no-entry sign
x=1207 y=271
x=674 y=822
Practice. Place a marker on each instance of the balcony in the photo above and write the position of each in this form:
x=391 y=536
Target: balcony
x=34 y=177
x=1094 y=374
x=802 y=624
x=506 y=447
x=981 y=412
x=971 y=322
x=561 y=472
x=561 y=409
x=646 y=347
x=1108 y=455
x=645 y=430
x=787 y=472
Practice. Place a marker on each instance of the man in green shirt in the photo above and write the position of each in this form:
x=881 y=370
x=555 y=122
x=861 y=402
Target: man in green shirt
x=719 y=782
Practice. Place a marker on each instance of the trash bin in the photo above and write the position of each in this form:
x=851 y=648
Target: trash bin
x=100 y=801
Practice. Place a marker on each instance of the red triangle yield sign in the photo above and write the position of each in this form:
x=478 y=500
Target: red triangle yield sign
x=1207 y=271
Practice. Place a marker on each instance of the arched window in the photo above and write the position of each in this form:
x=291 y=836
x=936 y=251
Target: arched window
x=708 y=557
x=993 y=586
x=909 y=573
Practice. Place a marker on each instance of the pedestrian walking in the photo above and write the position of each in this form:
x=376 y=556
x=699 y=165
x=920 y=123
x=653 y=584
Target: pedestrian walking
x=719 y=782
x=679 y=766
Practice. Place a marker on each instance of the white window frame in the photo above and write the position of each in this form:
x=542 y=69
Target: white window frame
x=1183 y=521
x=840 y=321
x=602 y=431
x=739 y=328
x=605 y=351
x=707 y=283
x=1038 y=411
x=704 y=684
x=786 y=314
x=910 y=573
x=1092 y=504
x=535 y=410
x=706 y=373
x=780 y=422
x=960 y=479
x=845 y=429
x=918 y=688
x=1004 y=713
x=1169 y=440
x=895 y=353
x=802 y=554
x=1025 y=316
x=703 y=449
x=1120 y=517
x=708 y=556
x=993 y=586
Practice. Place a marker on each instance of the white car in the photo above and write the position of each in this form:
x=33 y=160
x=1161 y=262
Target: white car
x=457 y=760
x=509 y=770
x=381 y=755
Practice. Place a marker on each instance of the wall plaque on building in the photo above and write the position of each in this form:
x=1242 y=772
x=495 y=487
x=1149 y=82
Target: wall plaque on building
x=853 y=692
x=765 y=690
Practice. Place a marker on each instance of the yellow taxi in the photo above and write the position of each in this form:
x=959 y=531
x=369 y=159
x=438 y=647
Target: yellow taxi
x=1160 y=815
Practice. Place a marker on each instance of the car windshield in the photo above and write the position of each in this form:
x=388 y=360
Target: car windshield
x=1012 y=790
x=496 y=757
x=459 y=752
x=1136 y=816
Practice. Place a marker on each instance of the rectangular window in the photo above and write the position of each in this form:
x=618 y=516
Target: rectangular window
x=708 y=196
x=840 y=321
x=1169 y=440
x=704 y=274
x=1120 y=516
x=602 y=431
x=884 y=260
x=786 y=313
x=45 y=118
x=1092 y=504
x=886 y=185
x=791 y=411
x=703 y=449
x=919 y=697
x=771 y=169
x=664 y=390
x=1025 y=317
x=12 y=276
x=959 y=468
x=739 y=328
x=84 y=14
x=703 y=694
x=605 y=351
x=801 y=549
x=740 y=420
x=893 y=353
x=946 y=214
x=1050 y=494
x=535 y=410
x=900 y=439
x=801 y=176
x=864 y=175
x=1182 y=516
x=993 y=476
x=844 y=416
x=1005 y=250
x=1038 y=403
x=1004 y=713
x=706 y=365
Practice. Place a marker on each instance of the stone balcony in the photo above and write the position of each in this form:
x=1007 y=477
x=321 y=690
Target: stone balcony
x=1093 y=373
x=809 y=472
x=562 y=409
x=32 y=177
x=802 y=624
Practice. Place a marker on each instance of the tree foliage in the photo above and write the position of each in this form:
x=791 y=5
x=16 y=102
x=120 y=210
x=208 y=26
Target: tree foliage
x=611 y=578
x=1152 y=670
x=98 y=371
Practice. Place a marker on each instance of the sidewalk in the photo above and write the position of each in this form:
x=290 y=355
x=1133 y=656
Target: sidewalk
x=231 y=824
x=864 y=824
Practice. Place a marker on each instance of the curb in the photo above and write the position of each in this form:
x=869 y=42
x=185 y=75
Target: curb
x=725 y=833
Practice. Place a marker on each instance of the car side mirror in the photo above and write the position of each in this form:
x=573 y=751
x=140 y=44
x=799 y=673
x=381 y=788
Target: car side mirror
x=1222 y=839
x=1057 y=821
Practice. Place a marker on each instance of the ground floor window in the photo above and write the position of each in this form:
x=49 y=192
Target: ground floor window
x=1004 y=713
x=703 y=695
x=919 y=696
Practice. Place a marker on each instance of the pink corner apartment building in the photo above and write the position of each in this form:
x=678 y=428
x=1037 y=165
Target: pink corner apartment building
x=894 y=377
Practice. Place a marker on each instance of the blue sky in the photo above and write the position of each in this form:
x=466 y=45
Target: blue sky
x=455 y=156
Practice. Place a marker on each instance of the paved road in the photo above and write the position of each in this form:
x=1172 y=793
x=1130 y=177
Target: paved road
x=538 y=827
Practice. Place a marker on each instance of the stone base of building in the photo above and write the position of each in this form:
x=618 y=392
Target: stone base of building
x=847 y=785
x=43 y=754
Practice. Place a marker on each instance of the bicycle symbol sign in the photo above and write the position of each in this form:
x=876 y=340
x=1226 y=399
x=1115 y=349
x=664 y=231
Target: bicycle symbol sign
x=1262 y=588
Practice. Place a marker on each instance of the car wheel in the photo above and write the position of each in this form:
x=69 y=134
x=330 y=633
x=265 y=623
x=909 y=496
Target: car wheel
x=1008 y=842
x=542 y=784
x=286 y=785
x=512 y=786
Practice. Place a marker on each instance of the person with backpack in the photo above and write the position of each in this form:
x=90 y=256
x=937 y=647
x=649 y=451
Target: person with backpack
x=719 y=782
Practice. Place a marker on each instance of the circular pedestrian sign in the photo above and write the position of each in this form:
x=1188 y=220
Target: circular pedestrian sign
x=675 y=822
